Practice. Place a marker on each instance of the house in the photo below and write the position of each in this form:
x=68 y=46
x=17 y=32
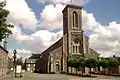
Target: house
x=30 y=64
x=3 y=61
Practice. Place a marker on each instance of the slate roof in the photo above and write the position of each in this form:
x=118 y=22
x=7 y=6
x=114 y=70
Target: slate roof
x=31 y=60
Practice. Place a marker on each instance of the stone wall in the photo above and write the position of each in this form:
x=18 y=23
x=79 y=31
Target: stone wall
x=55 y=60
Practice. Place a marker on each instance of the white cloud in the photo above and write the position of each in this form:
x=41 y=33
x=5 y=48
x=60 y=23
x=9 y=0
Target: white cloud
x=54 y=1
x=105 y=39
x=20 y=13
x=52 y=16
x=36 y=42
x=88 y=21
x=76 y=2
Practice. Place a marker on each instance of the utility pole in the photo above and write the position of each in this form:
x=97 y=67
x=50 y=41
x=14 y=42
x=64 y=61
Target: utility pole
x=14 y=57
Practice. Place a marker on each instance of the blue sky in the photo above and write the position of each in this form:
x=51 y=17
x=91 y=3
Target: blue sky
x=29 y=36
x=104 y=11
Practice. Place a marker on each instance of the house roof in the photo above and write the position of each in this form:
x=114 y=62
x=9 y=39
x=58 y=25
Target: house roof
x=93 y=52
x=31 y=60
x=35 y=56
x=3 y=49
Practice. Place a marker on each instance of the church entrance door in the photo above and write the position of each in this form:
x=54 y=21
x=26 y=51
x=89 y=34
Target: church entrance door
x=57 y=67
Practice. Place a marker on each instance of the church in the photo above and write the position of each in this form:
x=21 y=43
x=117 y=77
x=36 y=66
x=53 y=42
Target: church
x=74 y=43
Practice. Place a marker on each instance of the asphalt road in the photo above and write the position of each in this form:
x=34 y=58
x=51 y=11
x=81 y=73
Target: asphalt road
x=35 y=76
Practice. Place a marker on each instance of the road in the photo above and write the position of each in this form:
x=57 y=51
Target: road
x=35 y=76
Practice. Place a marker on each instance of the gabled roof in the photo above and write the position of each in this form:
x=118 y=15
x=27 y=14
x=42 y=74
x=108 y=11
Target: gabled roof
x=93 y=52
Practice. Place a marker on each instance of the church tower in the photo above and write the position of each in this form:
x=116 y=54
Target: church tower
x=72 y=33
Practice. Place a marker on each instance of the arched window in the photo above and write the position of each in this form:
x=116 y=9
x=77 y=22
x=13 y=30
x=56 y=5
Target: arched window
x=75 y=19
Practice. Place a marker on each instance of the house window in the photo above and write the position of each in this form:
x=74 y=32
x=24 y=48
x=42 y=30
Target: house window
x=75 y=19
x=34 y=65
x=28 y=65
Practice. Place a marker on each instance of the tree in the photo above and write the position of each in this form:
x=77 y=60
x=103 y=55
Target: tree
x=90 y=63
x=113 y=63
x=82 y=64
x=4 y=25
x=103 y=63
x=70 y=63
x=76 y=64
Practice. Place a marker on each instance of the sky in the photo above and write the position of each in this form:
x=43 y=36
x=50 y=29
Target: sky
x=38 y=24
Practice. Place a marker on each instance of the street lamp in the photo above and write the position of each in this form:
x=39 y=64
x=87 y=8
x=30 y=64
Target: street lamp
x=14 y=57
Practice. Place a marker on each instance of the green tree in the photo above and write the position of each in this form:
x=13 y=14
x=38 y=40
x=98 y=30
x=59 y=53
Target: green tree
x=4 y=25
x=82 y=64
x=70 y=63
x=90 y=63
x=75 y=63
x=103 y=63
x=113 y=63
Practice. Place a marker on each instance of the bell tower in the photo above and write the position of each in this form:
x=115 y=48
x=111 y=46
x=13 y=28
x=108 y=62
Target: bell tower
x=72 y=18
x=72 y=32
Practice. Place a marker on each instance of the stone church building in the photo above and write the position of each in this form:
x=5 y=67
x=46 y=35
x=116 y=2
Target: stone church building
x=74 y=43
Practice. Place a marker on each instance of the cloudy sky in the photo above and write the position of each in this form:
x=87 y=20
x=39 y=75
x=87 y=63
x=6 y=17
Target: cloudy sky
x=38 y=24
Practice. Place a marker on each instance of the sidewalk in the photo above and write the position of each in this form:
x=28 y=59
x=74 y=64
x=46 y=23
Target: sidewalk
x=9 y=75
